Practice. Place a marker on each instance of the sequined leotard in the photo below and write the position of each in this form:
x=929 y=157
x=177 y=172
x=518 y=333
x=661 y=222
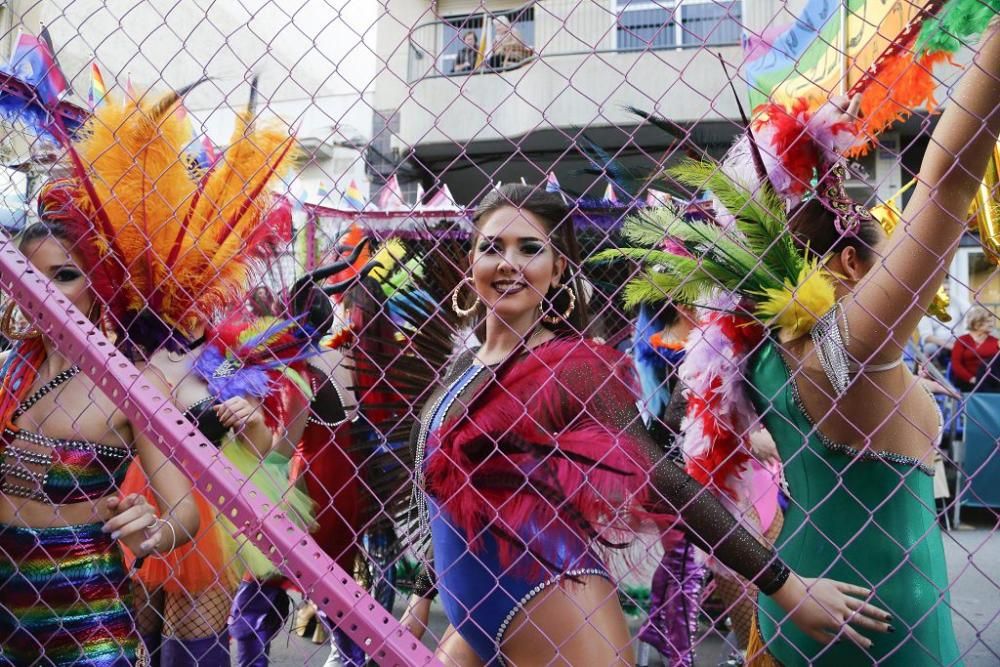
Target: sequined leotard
x=64 y=589
x=481 y=435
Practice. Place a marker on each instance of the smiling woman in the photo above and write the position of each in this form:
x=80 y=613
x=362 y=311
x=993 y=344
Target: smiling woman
x=517 y=226
x=534 y=467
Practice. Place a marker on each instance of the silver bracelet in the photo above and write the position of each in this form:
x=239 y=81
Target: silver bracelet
x=173 y=533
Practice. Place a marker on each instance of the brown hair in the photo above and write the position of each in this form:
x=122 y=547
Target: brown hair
x=42 y=228
x=557 y=219
x=812 y=226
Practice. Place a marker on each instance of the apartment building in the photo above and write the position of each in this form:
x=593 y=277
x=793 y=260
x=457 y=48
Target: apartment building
x=315 y=60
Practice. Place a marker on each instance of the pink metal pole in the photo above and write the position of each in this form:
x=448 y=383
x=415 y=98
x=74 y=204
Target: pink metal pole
x=289 y=547
x=310 y=241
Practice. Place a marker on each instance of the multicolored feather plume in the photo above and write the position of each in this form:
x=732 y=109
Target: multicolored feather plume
x=189 y=240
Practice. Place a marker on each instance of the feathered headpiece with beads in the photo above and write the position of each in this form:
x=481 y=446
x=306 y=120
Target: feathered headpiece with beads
x=168 y=244
x=252 y=358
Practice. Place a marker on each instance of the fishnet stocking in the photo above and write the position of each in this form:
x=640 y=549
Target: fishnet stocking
x=148 y=609
x=740 y=596
x=197 y=616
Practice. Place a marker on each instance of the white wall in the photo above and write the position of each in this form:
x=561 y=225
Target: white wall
x=557 y=90
x=316 y=60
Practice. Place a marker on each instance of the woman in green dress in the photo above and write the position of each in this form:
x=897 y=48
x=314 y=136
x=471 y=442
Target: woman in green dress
x=855 y=429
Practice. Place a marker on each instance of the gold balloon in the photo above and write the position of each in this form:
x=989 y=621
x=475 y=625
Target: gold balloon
x=888 y=215
x=986 y=209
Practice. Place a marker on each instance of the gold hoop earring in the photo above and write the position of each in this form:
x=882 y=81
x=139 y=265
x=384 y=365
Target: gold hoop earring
x=556 y=319
x=10 y=332
x=463 y=312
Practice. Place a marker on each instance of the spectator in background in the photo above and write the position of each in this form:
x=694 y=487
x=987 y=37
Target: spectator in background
x=936 y=340
x=465 y=59
x=262 y=302
x=973 y=351
x=509 y=48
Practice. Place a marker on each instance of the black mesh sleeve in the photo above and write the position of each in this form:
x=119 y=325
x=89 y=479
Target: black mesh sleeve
x=710 y=526
x=714 y=530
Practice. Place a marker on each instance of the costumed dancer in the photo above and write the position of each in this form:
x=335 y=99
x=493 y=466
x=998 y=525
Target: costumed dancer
x=535 y=466
x=66 y=447
x=675 y=590
x=192 y=240
x=855 y=429
x=321 y=464
x=262 y=360
x=389 y=347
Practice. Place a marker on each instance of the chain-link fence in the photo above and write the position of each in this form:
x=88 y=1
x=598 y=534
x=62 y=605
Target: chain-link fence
x=581 y=332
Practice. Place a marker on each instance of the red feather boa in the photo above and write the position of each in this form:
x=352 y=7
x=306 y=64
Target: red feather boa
x=728 y=452
x=544 y=441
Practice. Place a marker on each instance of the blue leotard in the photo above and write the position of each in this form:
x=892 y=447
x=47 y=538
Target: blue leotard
x=480 y=598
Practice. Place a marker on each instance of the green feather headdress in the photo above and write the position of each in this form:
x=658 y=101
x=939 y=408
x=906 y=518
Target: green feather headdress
x=756 y=259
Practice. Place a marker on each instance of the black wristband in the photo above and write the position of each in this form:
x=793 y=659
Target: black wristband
x=425 y=585
x=773 y=577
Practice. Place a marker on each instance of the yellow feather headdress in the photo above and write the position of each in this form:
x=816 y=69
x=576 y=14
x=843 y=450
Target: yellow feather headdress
x=177 y=244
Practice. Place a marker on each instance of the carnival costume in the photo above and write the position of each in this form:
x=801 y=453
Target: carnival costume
x=396 y=343
x=264 y=359
x=65 y=589
x=536 y=470
x=748 y=269
x=168 y=244
x=675 y=590
x=261 y=603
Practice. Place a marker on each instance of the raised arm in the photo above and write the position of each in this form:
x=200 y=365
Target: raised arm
x=889 y=302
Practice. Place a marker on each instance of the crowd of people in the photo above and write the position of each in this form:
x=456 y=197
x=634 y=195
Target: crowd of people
x=765 y=419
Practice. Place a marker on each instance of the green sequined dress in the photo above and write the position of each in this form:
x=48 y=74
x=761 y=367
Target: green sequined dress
x=868 y=520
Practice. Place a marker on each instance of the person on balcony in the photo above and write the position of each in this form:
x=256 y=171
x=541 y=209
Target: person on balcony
x=465 y=59
x=509 y=49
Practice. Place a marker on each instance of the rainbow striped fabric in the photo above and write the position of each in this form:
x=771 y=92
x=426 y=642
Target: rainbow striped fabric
x=825 y=51
x=66 y=598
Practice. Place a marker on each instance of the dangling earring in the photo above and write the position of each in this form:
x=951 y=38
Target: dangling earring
x=8 y=329
x=463 y=312
x=556 y=319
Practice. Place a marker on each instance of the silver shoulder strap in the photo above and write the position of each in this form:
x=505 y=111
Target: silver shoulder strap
x=831 y=347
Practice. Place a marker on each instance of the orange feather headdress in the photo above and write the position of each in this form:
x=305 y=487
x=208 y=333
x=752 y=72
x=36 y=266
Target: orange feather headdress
x=169 y=245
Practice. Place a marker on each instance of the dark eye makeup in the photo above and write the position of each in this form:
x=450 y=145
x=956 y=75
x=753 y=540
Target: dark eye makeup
x=66 y=275
x=528 y=247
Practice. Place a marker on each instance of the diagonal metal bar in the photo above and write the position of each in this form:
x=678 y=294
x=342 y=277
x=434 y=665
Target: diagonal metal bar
x=333 y=590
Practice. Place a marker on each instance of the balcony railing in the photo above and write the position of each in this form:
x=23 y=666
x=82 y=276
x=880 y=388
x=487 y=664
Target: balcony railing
x=489 y=42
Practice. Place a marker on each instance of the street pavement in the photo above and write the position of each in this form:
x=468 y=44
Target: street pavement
x=973 y=566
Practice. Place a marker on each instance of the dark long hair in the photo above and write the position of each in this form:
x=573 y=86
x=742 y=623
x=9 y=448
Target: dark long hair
x=40 y=229
x=812 y=226
x=557 y=219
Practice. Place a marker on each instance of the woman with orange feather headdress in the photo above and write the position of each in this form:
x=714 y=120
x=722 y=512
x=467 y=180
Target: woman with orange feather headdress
x=172 y=247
